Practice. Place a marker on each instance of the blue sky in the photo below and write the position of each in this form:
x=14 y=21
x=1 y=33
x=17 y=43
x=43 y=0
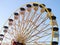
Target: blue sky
x=7 y=7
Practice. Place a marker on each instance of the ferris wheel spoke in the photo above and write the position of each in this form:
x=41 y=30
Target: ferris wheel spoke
x=11 y=34
x=40 y=23
x=33 y=23
x=40 y=37
x=37 y=32
x=25 y=23
x=36 y=43
x=27 y=20
x=28 y=23
x=47 y=39
x=42 y=31
x=23 y=16
x=32 y=16
x=43 y=35
x=37 y=19
x=19 y=25
x=29 y=26
x=26 y=30
x=39 y=42
x=8 y=38
x=35 y=27
x=15 y=29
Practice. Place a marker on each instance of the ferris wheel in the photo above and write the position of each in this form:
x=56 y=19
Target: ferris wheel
x=31 y=24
